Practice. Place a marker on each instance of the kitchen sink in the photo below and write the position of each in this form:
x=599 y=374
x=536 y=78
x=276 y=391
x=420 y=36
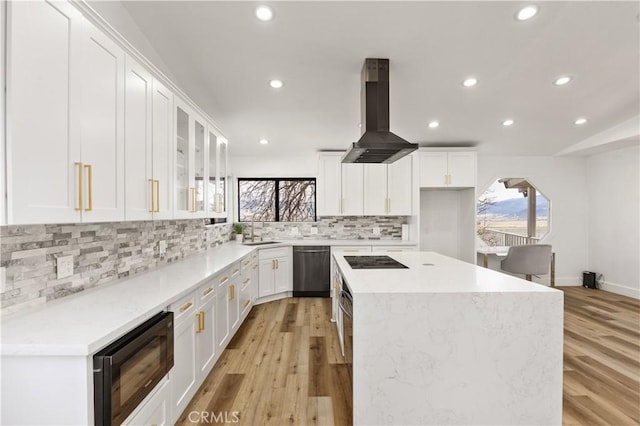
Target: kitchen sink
x=260 y=243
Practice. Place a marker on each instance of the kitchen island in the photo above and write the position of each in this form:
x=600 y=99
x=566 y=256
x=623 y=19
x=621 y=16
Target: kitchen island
x=448 y=342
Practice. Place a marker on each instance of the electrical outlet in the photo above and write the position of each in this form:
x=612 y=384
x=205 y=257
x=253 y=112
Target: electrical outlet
x=162 y=246
x=64 y=266
x=376 y=230
x=314 y=231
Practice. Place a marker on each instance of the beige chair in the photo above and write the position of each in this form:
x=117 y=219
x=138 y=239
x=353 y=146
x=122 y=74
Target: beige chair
x=528 y=260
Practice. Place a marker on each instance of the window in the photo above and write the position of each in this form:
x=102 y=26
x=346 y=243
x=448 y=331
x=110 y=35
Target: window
x=512 y=212
x=277 y=200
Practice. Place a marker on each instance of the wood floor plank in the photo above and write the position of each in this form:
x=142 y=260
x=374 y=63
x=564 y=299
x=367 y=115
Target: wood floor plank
x=290 y=318
x=319 y=372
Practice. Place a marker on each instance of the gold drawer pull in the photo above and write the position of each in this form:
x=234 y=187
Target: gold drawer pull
x=224 y=280
x=245 y=304
x=255 y=266
x=207 y=291
x=232 y=292
x=246 y=262
x=246 y=281
x=186 y=306
x=235 y=271
x=351 y=250
x=393 y=250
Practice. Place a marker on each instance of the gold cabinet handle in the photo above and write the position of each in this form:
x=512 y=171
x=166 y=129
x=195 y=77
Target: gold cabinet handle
x=254 y=266
x=235 y=271
x=351 y=250
x=186 y=306
x=89 y=187
x=202 y=321
x=80 y=190
x=199 y=329
x=246 y=281
x=207 y=291
x=224 y=280
x=246 y=262
x=153 y=198
x=157 y=184
x=232 y=292
x=245 y=304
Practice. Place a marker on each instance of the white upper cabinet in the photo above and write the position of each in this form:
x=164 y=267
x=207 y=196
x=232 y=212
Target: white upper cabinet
x=140 y=200
x=101 y=75
x=387 y=188
x=190 y=170
x=163 y=153
x=43 y=138
x=351 y=202
x=439 y=169
x=217 y=173
x=65 y=116
x=329 y=184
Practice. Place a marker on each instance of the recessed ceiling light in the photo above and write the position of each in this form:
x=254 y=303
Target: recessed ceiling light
x=562 y=80
x=264 y=13
x=263 y=141
x=527 y=12
x=470 y=82
x=508 y=122
x=580 y=121
x=276 y=84
x=433 y=124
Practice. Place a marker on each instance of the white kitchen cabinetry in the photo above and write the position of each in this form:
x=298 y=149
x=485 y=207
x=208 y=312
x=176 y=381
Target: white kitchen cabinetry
x=352 y=249
x=217 y=175
x=65 y=115
x=352 y=200
x=329 y=184
x=163 y=152
x=184 y=374
x=190 y=170
x=154 y=410
x=387 y=188
x=275 y=271
x=440 y=169
x=392 y=249
x=227 y=305
x=195 y=346
x=245 y=298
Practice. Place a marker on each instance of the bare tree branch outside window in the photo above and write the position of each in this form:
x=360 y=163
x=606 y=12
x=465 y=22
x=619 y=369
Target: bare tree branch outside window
x=270 y=200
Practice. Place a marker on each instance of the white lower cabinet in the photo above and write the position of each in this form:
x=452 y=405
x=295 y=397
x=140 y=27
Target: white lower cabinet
x=276 y=272
x=195 y=346
x=154 y=410
x=227 y=305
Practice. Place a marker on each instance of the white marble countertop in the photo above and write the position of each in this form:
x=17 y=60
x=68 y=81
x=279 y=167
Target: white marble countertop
x=430 y=272
x=83 y=323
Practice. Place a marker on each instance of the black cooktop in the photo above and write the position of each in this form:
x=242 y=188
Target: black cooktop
x=373 y=262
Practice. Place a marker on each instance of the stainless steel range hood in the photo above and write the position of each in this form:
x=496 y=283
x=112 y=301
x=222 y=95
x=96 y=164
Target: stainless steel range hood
x=377 y=144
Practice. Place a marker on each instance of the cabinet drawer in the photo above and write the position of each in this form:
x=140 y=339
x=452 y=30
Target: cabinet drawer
x=246 y=281
x=235 y=270
x=352 y=249
x=245 y=263
x=207 y=291
x=274 y=252
x=183 y=308
x=154 y=410
x=392 y=249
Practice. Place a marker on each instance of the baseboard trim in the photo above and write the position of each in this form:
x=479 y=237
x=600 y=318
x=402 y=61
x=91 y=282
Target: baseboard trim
x=621 y=290
x=568 y=282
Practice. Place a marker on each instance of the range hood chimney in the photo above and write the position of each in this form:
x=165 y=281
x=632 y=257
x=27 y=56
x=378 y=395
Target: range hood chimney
x=377 y=144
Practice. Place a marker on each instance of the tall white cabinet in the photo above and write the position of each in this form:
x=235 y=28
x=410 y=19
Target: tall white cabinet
x=388 y=188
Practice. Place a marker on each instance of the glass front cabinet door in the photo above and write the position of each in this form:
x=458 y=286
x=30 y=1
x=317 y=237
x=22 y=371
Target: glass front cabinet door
x=216 y=194
x=190 y=170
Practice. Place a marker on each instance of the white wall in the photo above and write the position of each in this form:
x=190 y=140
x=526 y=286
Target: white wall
x=563 y=181
x=118 y=17
x=265 y=165
x=614 y=219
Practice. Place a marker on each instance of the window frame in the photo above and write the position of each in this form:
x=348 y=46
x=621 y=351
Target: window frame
x=277 y=195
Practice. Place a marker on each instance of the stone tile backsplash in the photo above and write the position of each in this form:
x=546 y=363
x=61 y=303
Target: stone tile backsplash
x=102 y=252
x=331 y=228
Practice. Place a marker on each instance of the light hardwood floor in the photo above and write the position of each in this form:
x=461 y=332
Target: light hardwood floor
x=284 y=366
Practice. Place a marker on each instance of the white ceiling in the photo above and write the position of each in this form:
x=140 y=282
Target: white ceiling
x=223 y=58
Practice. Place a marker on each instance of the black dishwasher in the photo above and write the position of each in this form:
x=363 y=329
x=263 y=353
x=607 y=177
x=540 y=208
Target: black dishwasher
x=311 y=271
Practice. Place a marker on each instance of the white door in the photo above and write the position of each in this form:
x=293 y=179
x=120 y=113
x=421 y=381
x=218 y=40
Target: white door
x=462 y=169
x=283 y=281
x=183 y=375
x=42 y=105
x=433 y=169
x=329 y=183
x=375 y=190
x=206 y=335
x=222 y=316
x=399 y=187
x=163 y=152
x=266 y=285
x=352 y=189
x=140 y=200
x=102 y=127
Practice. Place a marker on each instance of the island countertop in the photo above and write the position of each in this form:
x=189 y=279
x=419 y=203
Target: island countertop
x=430 y=272
x=448 y=342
